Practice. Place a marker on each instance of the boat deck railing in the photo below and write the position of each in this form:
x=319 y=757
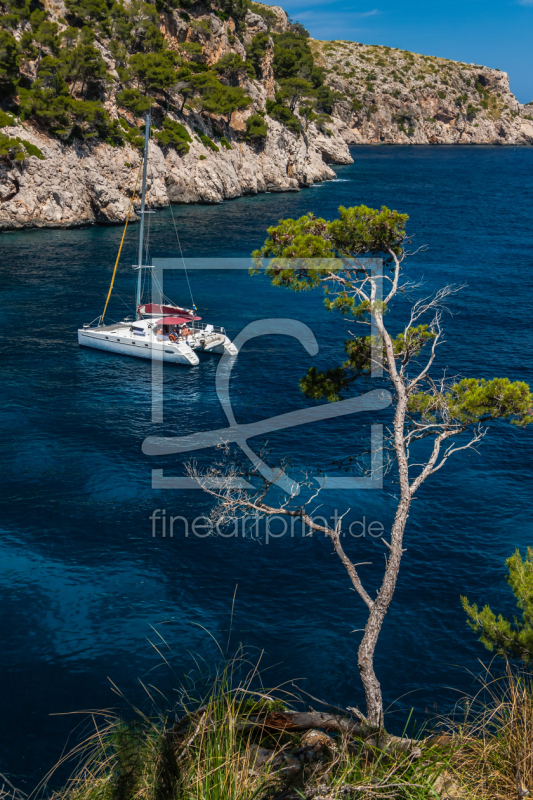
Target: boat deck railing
x=199 y=328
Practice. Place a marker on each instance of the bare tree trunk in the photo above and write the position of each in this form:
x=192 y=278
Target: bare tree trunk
x=374 y=700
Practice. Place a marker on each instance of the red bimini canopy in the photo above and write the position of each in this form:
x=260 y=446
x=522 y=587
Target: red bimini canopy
x=155 y=308
x=175 y=320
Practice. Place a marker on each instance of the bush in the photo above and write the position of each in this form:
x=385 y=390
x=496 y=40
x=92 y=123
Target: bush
x=154 y=70
x=284 y=115
x=11 y=149
x=510 y=638
x=134 y=101
x=233 y=66
x=18 y=149
x=206 y=141
x=174 y=134
x=31 y=149
x=292 y=90
x=6 y=120
x=192 y=49
x=256 y=51
x=256 y=128
x=225 y=144
x=88 y=10
x=299 y=30
x=217 y=98
x=9 y=62
x=63 y=115
x=203 y=25
x=293 y=58
x=326 y=99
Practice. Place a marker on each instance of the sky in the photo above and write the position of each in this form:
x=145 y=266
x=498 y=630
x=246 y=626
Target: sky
x=495 y=33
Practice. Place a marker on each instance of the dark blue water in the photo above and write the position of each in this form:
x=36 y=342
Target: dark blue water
x=84 y=584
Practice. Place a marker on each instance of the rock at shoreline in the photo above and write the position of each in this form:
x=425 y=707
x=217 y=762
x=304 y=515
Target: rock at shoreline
x=93 y=182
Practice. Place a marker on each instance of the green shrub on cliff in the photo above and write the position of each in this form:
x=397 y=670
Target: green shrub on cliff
x=154 y=70
x=134 y=101
x=283 y=114
x=256 y=51
x=256 y=129
x=206 y=141
x=63 y=115
x=9 y=62
x=232 y=67
x=216 y=97
x=18 y=149
x=6 y=120
x=174 y=134
x=11 y=149
x=293 y=58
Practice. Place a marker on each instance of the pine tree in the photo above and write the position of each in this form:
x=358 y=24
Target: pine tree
x=509 y=639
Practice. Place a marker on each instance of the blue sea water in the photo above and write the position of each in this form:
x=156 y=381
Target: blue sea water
x=84 y=586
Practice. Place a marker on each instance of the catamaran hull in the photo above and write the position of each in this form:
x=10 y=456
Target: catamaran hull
x=178 y=354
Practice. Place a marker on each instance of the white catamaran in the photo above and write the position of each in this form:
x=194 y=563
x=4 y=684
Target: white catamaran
x=162 y=332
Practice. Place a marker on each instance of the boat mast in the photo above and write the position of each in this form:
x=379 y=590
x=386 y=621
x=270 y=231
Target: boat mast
x=141 y=231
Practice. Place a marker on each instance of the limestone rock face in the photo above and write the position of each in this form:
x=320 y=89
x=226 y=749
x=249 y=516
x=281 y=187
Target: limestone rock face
x=390 y=96
x=383 y=96
x=94 y=182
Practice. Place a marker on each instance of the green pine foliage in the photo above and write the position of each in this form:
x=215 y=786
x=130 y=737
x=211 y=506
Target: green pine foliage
x=174 y=134
x=206 y=141
x=216 y=97
x=256 y=129
x=18 y=149
x=293 y=59
x=9 y=62
x=134 y=101
x=256 y=51
x=366 y=232
x=154 y=70
x=6 y=120
x=73 y=80
x=293 y=90
x=11 y=149
x=63 y=115
x=233 y=67
x=225 y=143
x=476 y=400
x=509 y=639
x=295 y=70
x=281 y=112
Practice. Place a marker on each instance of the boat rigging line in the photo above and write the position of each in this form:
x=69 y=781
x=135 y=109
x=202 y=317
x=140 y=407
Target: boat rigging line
x=121 y=243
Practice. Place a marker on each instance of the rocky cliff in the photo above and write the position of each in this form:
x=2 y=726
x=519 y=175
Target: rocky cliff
x=90 y=182
x=391 y=96
x=241 y=101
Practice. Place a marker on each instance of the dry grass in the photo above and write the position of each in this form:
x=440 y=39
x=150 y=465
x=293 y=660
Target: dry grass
x=214 y=752
x=218 y=751
x=493 y=745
